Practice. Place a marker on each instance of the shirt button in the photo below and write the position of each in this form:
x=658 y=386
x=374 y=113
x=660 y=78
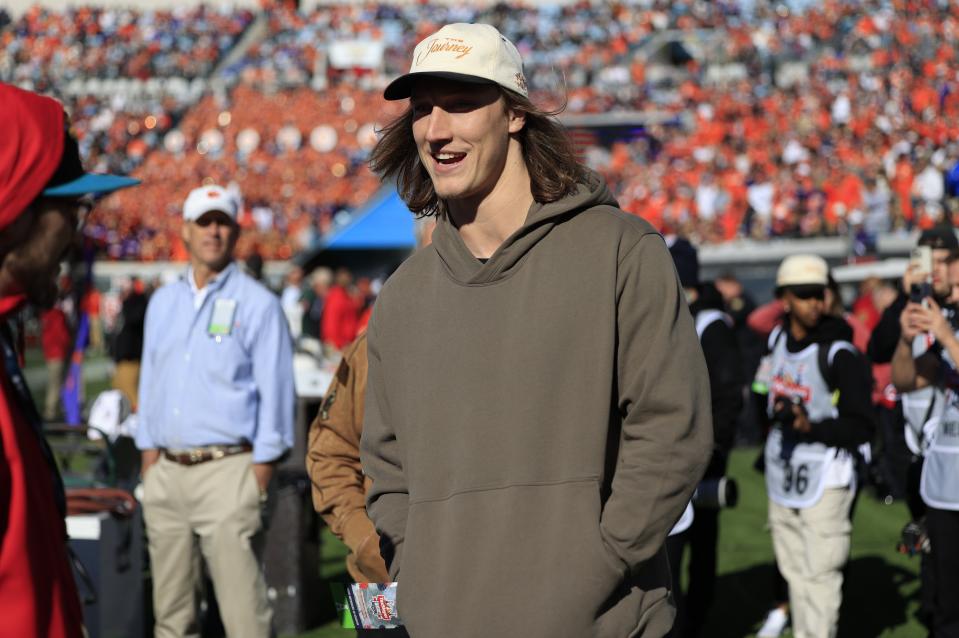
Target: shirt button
x=176 y=411
x=186 y=357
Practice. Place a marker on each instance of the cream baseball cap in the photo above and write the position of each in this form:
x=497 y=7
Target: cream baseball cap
x=802 y=270
x=475 y=53
x=202 y=200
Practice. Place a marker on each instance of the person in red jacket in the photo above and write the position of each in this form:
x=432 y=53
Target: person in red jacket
x=340 y=313
x=41 y=181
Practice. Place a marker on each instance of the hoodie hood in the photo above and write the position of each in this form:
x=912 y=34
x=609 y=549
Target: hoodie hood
x=830 y=329
x=31 y=127
x=466 y=269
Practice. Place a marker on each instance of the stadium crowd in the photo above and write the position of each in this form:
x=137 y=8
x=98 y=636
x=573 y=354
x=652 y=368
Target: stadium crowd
x=46 y=48
x=714 y=165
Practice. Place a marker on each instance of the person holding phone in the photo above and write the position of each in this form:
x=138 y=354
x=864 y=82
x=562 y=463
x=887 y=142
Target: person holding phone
x=925 y=364
x=941 y=241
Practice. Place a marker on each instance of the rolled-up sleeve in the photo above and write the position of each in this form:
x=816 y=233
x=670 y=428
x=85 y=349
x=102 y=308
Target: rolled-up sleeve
x=664 y=403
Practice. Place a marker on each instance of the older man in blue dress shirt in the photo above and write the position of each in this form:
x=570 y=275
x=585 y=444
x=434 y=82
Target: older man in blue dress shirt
x=216 y=413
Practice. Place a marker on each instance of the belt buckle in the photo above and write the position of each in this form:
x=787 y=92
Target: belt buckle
x=196 y=456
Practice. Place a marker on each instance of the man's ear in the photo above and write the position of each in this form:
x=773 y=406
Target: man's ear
x=185 y=232
x=517 y=120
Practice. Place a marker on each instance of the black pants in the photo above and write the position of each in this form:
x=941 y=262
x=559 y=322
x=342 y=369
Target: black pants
x=702 y=538
x=943 y=562
x=894 y=456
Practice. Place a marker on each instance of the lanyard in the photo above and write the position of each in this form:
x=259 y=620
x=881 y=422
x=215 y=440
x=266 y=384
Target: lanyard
x=29 y=410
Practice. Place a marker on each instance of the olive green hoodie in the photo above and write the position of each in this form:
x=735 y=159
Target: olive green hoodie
x=534 y=427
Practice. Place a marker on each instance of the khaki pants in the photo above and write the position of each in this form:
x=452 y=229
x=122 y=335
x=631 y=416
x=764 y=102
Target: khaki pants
x=126 y=379
x=812 y=546
x=218 y=504
x=51 y=401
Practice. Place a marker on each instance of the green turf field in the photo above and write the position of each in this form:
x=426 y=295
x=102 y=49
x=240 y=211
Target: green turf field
x=880 y=595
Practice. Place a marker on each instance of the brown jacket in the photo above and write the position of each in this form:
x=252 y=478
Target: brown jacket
x=333 y=461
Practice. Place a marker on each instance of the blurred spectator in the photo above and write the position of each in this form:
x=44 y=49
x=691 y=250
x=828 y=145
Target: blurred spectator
x=253 y=265
x=291 y=299
x=90 y=304
x=314 y=299
x=128 y=342
x=364 y=302
x=340 y=313
x=57 y=343
x=865 y=307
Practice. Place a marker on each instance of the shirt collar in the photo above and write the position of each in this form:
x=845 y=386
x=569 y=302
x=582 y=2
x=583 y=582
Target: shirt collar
x=214 y=284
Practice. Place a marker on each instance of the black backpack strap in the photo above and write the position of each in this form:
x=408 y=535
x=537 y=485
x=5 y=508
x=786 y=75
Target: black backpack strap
x=773 y=338
x=827 y=355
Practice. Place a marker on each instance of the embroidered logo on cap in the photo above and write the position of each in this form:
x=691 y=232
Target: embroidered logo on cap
x=454 y=45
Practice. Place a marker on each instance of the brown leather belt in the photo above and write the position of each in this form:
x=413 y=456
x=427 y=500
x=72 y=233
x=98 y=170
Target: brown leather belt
x=206 y=453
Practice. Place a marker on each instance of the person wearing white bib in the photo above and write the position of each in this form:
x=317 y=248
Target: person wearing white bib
x=819 y=406
x=697 y=531
x=936 y=437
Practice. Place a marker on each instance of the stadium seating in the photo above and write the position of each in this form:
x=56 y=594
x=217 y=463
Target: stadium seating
x=828 y=121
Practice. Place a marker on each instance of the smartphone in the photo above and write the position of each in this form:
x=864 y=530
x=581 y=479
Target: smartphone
x=920 y=260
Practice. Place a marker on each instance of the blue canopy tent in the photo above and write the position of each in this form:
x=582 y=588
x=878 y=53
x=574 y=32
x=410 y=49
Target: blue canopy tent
x=385 y=224
x=379 y=237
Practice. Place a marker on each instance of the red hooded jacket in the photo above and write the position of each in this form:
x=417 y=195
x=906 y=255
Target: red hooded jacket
x=38 y=596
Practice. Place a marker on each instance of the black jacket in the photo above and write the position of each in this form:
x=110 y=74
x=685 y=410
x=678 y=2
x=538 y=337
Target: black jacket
x=723 y=363
x=882 y=343
x=128 y=344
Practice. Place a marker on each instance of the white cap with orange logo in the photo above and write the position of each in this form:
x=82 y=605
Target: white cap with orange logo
x=202 y=200
x=475 y=53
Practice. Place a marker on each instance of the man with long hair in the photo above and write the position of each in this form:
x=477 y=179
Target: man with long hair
x=538 y=409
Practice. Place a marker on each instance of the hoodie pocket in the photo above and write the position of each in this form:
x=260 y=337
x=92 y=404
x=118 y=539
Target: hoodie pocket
x=521 y=560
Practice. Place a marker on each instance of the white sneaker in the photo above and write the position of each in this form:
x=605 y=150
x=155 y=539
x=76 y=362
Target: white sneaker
x=775 y=623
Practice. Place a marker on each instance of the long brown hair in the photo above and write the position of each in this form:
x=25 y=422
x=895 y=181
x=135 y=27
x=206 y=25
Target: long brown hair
x=548 y=152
